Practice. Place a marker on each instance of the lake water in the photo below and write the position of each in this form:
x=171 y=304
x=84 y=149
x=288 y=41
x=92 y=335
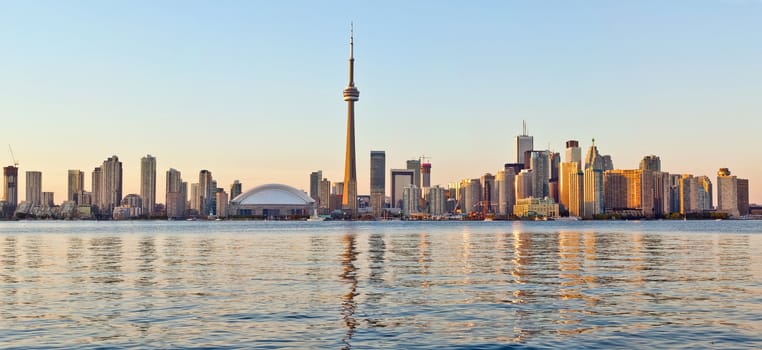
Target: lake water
x=333 y=285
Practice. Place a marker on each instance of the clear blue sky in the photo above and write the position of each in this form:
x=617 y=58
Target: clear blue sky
x=252 y=90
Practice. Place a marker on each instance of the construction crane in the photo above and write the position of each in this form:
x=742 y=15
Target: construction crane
x=15 y=162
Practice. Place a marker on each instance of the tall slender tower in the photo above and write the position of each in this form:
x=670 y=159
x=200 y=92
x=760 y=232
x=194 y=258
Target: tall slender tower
x=351 y=94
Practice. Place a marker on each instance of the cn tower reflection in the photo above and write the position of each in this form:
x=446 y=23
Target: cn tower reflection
x=349 y=276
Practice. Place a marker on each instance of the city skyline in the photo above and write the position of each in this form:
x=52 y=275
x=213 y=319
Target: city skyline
x=687 y=96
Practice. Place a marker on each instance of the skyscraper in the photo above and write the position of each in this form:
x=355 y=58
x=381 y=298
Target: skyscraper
x=650 y=163
x=351 y=95
x=524 y=143
x=573 y=152
x=148 y=184
x=540 y=165
x=437 y=201
x=742 y=190
x=95 y=186
x=727 y=192
x=34 y=187
x=593 y=187
x=76 y=184
x=489 y=195
x=505 y=184
x=315 y=178
x=111 y=185
x=415 y=166
x=426 y=175
x=524 y=184
x=399 y=179
x=175 y=198
x=10 y=186
x=235 y=190
x=570 y=180
x=205 y=193
x=377 y=181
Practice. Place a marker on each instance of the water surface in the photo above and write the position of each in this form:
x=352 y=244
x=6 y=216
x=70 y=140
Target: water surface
x=695 y=284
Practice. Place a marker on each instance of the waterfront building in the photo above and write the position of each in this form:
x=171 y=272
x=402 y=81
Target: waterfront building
x=175 y=205
x=573 y=152
x=489 y=195
x=535 y=207
x=524 y=185
x=205 y=192
x=95 y=187
x=148 y=184
x=48 y=199
x=437 y=201
x=34 y=187
x=175 y=198
x=415 y=166
x=674 y=193
x=222 y=203
x=351 y=95
x=324 y=197
x=315 y=178
x=704 y=190
x=111 y=185
x=742 y=190
x=274 y=201
x=524 y=143
x=540 y=165
x=505 y=186
x=593 y=187
x=76 y=183
x=472 y=195
x=689 y=194
x=235 y=189
x=576 y=193
x=195 y=198
x=568 y=171
x=622 y=190
x=400 y=178
x=554 y=182
x=377 y=181
x=410 y=196
x=10 y=187
x=727 y=192
x=426 y=175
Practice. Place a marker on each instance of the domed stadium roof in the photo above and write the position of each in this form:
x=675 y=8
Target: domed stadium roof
x=273 y=194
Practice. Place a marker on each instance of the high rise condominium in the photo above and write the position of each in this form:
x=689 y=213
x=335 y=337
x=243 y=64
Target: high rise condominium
x=34 y=187
x=148 y=184
x=111 y=185
x=76 y=184
x=10 y=186
x=377 y=181
x=727 y=192
x=315 y=178
x=205 y=192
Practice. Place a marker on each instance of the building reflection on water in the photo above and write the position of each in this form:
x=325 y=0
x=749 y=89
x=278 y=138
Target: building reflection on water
x=455 y=286
x=349 y=277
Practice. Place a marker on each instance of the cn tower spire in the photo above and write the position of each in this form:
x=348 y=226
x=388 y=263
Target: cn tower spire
x=351 y=94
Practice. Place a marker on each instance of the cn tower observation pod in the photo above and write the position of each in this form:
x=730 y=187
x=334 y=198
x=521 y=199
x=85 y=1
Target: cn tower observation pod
x=272 y=201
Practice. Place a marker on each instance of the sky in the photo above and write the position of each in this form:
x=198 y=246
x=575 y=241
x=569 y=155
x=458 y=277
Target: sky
x=252 y=90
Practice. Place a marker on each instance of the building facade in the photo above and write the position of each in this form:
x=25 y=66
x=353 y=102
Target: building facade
x=34 y=187
x=148 y=184
x=377 y=181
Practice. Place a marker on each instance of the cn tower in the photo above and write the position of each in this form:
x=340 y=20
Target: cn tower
x=351 y=94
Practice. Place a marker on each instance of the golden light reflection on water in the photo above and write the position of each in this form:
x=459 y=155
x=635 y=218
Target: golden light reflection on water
x=348 y=286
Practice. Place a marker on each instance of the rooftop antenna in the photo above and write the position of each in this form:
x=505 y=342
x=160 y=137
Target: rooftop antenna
x=525 y=128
